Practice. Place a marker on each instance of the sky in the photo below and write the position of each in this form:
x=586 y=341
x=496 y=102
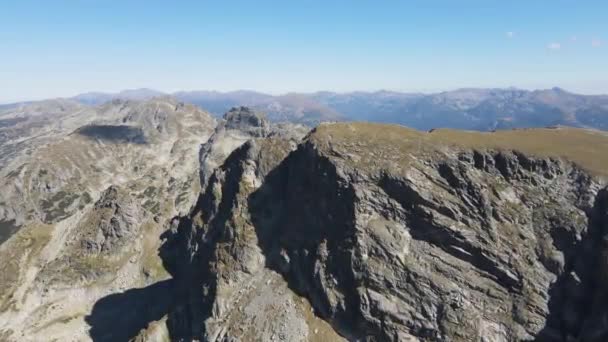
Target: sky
x=61 y=48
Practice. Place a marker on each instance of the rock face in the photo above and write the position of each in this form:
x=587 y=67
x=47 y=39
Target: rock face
x=117 y=216
x=397 y=235
x=446 y=251
x=246 y=120
x=217 y=249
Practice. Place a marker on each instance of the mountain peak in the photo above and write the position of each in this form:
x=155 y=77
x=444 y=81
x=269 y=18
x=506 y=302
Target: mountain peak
x=243 y=117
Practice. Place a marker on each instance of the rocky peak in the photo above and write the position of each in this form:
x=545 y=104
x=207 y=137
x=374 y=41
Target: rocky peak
x=108 y=198
x=240 y=125
x=117 y=217
x=246 y=119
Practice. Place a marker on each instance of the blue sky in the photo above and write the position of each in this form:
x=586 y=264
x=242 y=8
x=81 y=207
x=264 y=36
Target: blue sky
x=61 y=48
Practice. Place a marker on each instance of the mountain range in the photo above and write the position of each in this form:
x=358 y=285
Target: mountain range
x=473 y=109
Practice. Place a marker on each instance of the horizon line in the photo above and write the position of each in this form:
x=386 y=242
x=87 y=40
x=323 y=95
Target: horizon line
x=277 y=94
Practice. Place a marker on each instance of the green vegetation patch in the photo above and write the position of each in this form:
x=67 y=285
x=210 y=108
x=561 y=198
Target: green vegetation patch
x=55 y=207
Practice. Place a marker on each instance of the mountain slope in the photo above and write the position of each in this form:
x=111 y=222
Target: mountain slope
x=25 y=127
x=86 y=210
x=84 y=214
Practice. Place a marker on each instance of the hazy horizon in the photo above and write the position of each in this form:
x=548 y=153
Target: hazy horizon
x=170 y=93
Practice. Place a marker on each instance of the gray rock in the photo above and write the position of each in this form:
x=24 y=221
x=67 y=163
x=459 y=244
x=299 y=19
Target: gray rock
x=116 y=221
x=240 y=125
x=247 y=120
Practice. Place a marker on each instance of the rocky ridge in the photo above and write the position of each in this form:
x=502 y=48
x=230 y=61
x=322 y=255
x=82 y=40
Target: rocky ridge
x=237 y=126
x=395 y=234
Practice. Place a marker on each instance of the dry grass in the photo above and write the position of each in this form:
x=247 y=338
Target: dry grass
x=272 y=152
x=318 y=329
x=22 y=249
x=384 y=145
x=152 y=264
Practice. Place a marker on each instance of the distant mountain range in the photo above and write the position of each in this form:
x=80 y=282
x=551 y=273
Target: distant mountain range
x=472 y=108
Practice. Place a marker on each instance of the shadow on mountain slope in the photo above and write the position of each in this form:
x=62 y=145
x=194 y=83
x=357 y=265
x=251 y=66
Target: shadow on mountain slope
x=114 y=133
x=7 y=229
x=576 y=305
x=121 y=316
x=294 y=211
x=10 y=122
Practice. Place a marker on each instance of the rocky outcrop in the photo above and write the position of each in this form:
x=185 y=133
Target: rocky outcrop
x=239 y=125
x=217 y=249
x=407 y=236
x=100 y=242
x=117 y=218
x=246 y=120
